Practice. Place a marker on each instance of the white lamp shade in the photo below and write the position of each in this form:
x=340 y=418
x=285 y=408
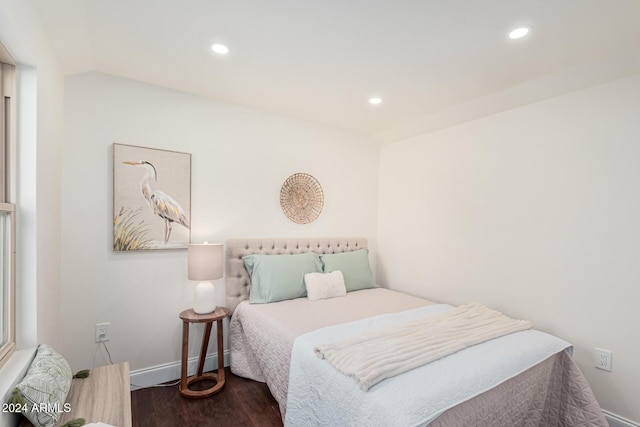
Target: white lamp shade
x=205 y=261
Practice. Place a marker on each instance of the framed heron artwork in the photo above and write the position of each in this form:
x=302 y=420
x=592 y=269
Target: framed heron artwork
x=151 y=198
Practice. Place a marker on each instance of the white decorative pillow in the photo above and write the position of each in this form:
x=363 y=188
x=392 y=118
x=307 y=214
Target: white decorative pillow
x=45 y=387
x=325 y=285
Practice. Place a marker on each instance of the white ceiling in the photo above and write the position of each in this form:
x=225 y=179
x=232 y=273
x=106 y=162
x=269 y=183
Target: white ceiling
x=434 y=62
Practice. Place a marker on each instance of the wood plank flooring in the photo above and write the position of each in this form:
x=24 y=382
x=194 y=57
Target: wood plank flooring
x=241 y=402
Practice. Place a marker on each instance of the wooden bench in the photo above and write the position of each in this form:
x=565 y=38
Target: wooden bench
x=104 y=396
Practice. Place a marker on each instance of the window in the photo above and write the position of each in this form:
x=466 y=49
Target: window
x=7 y=208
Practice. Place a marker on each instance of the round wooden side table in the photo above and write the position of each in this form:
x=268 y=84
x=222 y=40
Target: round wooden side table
x=188 y=317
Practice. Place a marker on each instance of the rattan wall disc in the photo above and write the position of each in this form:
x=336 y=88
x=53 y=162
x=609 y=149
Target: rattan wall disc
x=301 y=198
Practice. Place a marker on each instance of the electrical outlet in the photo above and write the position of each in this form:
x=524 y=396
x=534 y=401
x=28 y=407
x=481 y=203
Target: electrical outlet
x=603 y=359
x=102 y=332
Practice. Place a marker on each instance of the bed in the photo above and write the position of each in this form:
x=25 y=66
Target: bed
x=274 y=343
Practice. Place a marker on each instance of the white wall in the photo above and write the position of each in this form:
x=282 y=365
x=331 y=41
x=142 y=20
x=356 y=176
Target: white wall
x=41 y=88
x=39 y=138
x=240 y=158
x=534 y=211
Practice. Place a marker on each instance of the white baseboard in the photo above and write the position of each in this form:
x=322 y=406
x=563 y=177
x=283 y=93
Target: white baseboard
x=618 y=421
x=146 y=377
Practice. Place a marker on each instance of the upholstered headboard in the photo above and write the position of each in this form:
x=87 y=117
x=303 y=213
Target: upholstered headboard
x=238 y=283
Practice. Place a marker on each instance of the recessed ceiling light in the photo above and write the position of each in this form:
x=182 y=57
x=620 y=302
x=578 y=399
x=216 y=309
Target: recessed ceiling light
x=519 y=32
x=375 y=100
x=220 y=48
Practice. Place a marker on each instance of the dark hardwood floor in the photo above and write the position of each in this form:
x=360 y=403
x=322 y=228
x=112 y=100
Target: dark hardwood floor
x=241 y=402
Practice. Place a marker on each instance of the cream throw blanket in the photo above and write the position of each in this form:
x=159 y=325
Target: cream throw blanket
x=375 y=356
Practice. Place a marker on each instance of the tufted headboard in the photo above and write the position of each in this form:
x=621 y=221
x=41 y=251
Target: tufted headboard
x=238 y=283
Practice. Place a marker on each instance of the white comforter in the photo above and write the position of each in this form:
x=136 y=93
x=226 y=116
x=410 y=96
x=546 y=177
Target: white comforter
x=261 y=336
x=319 y=395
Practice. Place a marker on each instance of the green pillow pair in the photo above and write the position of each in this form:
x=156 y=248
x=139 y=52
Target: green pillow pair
x=281 y=277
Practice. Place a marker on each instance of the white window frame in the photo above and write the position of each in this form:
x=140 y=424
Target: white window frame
x=8 y=194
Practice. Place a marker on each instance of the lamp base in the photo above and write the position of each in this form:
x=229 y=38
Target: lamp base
x=204 y=302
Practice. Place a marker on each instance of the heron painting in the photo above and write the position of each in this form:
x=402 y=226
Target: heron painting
x=152 y=198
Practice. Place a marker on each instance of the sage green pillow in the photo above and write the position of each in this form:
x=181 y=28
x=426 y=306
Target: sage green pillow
x=279 y=277
x=354 y=267
x=44 y=387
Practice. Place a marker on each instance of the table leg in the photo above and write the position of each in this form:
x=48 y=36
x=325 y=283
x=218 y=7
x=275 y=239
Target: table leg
x=220 y=353
x=185 y=351
x=205 y=345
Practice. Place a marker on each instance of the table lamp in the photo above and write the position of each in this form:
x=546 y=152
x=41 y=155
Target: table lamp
x=205 y=264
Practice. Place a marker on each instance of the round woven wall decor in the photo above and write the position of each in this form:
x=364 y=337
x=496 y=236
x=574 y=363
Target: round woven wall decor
x=301 y=198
